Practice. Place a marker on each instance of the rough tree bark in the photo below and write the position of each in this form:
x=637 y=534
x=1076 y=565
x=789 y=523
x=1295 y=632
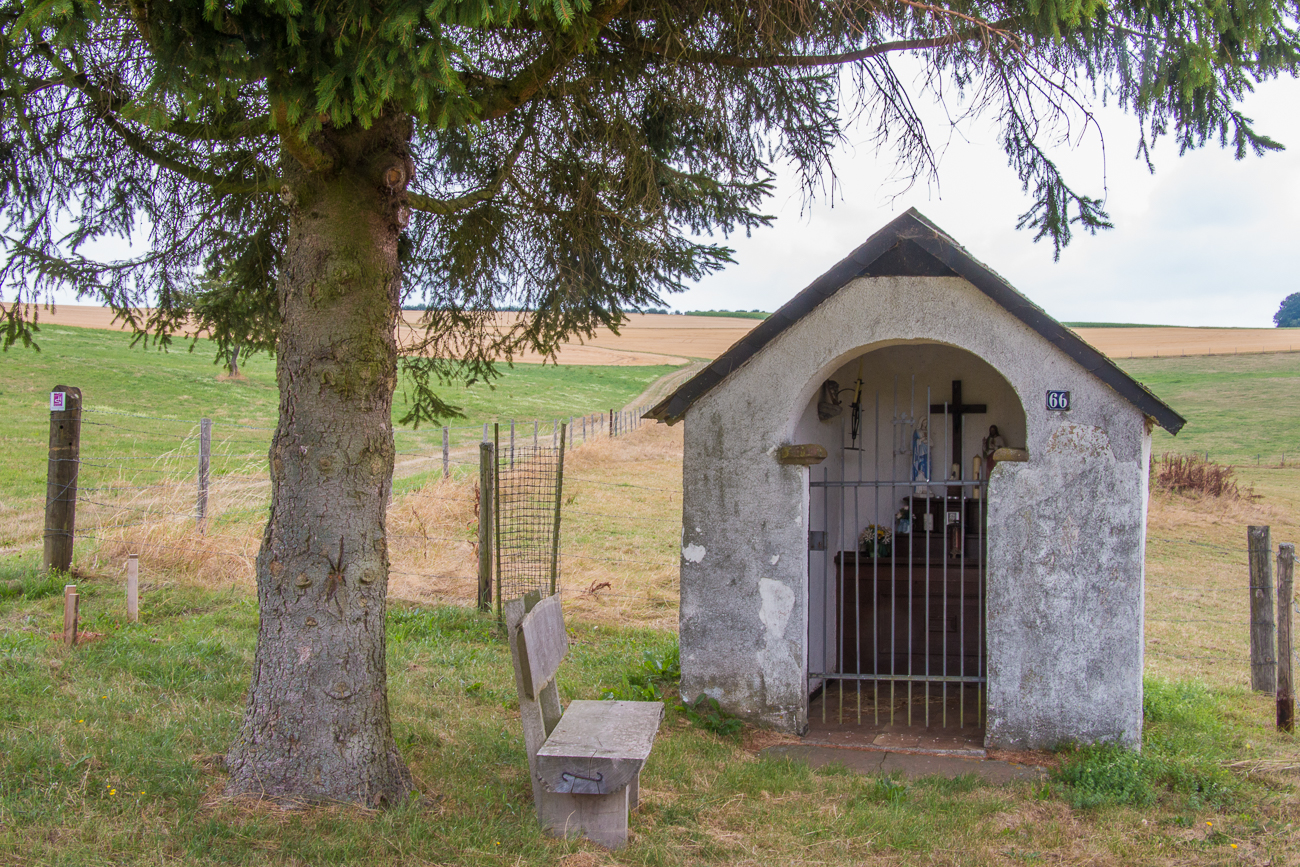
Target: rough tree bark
x=316 y=726
x=233 y=361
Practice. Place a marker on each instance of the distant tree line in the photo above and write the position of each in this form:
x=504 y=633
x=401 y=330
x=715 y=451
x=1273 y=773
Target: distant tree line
x=1288 y=314
x=739 y=314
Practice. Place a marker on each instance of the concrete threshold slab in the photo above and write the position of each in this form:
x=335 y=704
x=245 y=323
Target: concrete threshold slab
x=911 y=765
x=909 y=749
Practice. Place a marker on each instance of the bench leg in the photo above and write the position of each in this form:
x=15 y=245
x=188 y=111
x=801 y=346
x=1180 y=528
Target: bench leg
x=634 y=793
x=600 y=818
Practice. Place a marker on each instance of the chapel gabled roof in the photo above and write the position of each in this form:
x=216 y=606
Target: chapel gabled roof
x=912 y=246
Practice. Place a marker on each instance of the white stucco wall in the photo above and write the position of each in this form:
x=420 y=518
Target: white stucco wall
x=1066 y=538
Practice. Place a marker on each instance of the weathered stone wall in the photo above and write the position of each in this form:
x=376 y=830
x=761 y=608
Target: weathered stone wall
x=1066 y=529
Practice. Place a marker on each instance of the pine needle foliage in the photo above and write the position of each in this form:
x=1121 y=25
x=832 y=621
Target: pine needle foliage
x=568 y=154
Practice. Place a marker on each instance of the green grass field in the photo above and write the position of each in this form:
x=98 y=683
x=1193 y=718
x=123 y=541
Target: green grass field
x=1237 y=407
x=185 y=386
x=110 y=753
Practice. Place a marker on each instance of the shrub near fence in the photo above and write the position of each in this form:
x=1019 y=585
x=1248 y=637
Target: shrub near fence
x=1185 y=474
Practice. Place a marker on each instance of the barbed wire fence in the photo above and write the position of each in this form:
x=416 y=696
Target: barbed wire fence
x=195 y=493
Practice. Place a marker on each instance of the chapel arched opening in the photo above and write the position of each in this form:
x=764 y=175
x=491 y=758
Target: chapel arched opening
x=899 y=534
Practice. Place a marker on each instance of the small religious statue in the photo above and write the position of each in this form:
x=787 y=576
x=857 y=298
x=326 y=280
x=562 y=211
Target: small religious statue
x=977 y=474
x=903 y=521
x=992 y=443
x=921 y=455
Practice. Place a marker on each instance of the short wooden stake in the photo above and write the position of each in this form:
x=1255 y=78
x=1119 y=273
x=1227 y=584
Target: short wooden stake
x=71 y=611
x=133 y=587
x=446 y=452
x=61 y=477
x=1285 y=672
x=1263 y=662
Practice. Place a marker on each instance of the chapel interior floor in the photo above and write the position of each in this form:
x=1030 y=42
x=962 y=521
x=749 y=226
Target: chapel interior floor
x=850 y=716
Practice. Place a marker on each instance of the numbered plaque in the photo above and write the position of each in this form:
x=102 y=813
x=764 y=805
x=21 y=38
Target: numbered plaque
x=1058 y=401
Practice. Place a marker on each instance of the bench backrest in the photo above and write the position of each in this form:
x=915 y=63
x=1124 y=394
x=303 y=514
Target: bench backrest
x=536 y=651
x=542 y=645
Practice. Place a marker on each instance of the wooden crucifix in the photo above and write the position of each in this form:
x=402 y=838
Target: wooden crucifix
x=957 y=409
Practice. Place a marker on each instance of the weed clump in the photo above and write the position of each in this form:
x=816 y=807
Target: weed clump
x=1184 y=747
x=1193 y=474
x=661 y=672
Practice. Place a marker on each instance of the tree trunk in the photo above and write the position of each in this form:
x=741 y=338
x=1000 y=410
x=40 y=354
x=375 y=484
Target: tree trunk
x=316 y=727
x=234 y=361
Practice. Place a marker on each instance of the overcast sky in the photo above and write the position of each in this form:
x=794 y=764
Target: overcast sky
x=1206 y=240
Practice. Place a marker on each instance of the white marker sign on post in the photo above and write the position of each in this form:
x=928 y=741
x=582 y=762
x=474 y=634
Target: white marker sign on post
x=58 y=401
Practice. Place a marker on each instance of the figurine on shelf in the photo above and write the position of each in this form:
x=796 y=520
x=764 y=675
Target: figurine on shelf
x=921 y=455
x=992 y=443
x=903 y=521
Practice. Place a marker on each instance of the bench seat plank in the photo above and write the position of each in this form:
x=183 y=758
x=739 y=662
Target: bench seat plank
x=598 y=746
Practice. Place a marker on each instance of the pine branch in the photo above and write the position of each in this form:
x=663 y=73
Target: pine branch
x=982 y=31
x=108 y=106
x=445 y=207
x=505 y=98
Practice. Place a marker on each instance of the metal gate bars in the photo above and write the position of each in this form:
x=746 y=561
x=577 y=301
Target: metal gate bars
x=897 y=579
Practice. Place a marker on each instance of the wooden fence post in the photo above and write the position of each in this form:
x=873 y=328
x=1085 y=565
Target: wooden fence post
x=133 y=587
x=512 y=443
x=71 y=613
x=61 y=477
x=1285 y=601
x=446 y=452
x=205 y=466
x=486 y=495
x=555 y=531
x=611 y=422
x=1263 y=662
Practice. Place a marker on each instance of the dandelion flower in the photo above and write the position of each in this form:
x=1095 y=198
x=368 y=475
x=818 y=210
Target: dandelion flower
x=112 y=791
x=1234 y=845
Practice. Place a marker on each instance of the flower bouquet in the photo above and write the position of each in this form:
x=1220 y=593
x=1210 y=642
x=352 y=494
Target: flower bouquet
x=876 y=541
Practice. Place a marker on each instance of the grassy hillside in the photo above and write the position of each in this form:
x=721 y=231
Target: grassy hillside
x=1237 y=407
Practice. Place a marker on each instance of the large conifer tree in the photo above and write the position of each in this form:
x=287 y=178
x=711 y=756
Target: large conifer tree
x=559 y=155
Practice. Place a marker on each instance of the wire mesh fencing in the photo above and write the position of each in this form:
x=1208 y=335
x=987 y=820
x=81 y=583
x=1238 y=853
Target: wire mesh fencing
x=529 y=486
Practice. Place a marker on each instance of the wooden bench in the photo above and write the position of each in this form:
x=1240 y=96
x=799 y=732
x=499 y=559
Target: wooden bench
x=585 y=762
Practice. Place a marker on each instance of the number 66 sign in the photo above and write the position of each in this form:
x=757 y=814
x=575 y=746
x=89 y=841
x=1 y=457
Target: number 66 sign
x=1058 y=401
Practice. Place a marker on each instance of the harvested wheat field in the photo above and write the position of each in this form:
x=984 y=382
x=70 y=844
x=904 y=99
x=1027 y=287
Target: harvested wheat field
x=649 y=338
x=1166 y=342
